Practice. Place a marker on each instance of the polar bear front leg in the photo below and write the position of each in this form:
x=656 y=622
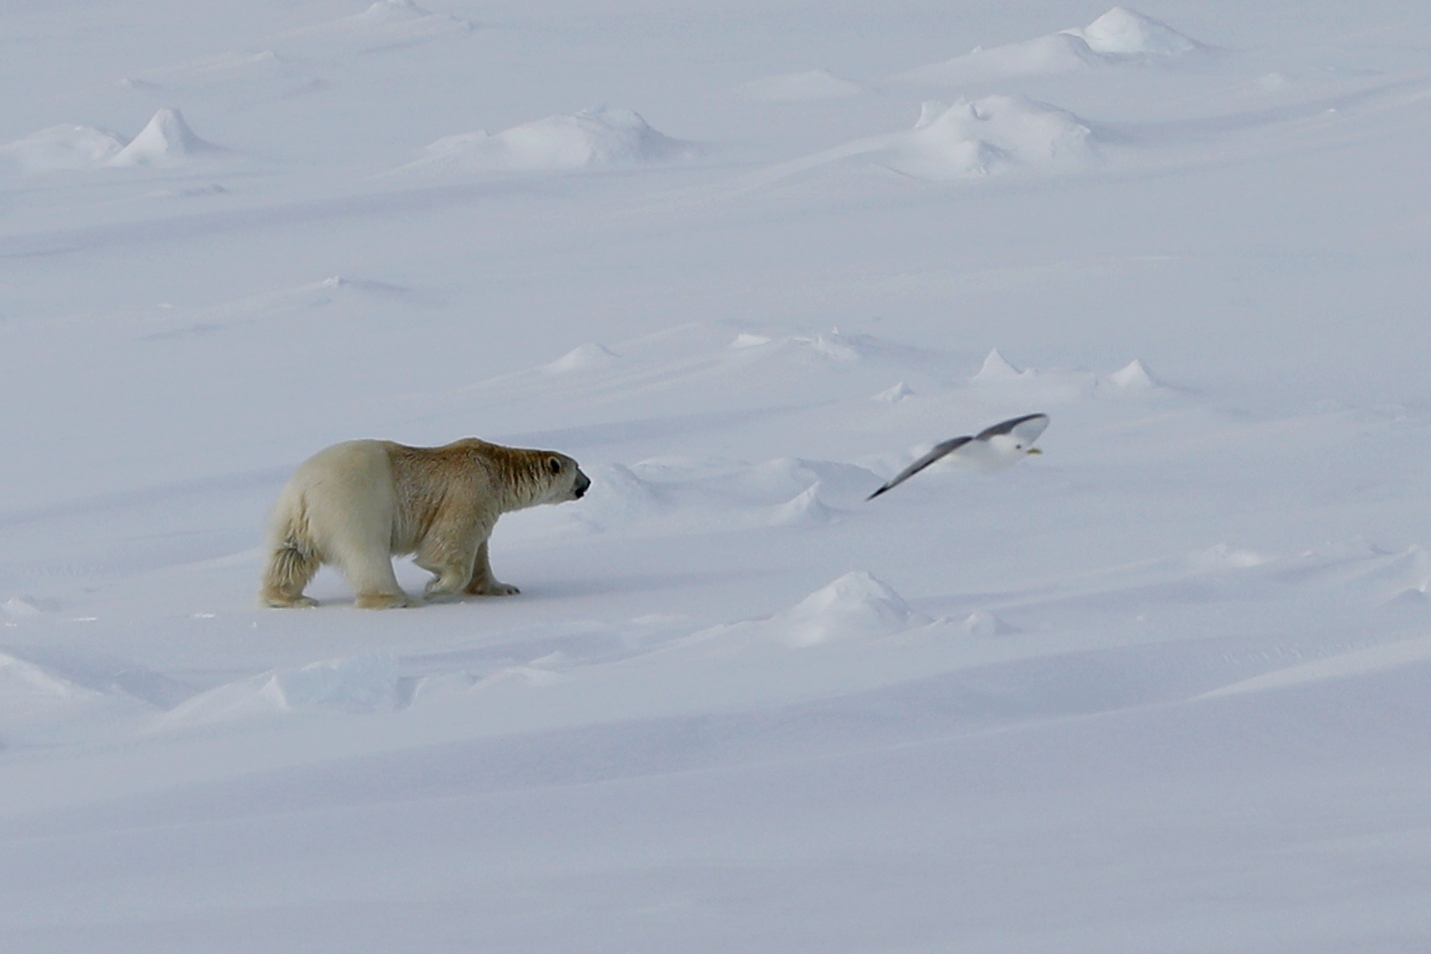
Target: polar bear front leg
x=482 y=582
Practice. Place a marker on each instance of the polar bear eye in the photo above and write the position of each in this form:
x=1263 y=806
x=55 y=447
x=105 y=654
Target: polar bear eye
x=554 y=465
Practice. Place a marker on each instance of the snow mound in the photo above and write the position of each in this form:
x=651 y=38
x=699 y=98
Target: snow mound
x=985 y=624
x=804 y=510
x=17 y=608
x=591 y=138
x=66 y=146
x=1118 y=37
x=799 y=87
x=360 y=684
x=893 y=395
x=855 y=606
x=996 y=370
x=1126 y=33
x=1132 y=377
x=580 y=358
x=166 y=141
x=989 y=136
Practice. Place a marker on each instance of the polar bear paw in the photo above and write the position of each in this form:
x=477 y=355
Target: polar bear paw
x=384 y=601
x=494 y=588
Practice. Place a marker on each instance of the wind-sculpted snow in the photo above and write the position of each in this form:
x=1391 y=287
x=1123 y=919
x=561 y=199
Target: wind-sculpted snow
x=1118 y=37
x=384 y=26
x=166 y=140
x=591 y=138
x=367 y=683
x=63 y=147
x=1159 y=688
x=991 y=136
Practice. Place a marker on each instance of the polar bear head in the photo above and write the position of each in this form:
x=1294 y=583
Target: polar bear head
x=564 y=479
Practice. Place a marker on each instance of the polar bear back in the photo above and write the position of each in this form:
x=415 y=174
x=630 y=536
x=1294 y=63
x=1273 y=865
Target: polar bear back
x=341 y=497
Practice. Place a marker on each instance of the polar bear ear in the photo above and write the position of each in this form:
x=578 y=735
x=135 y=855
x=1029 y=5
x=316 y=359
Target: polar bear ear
x=554 y=464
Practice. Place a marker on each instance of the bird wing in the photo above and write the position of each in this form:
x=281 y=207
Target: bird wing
x=1026 y=428
x=939 y=451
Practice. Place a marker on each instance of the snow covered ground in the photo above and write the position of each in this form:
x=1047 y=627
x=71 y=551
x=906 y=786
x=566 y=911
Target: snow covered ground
x=1165 y=688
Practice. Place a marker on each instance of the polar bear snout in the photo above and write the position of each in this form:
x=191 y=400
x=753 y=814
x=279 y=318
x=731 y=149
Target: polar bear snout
x=583 y=483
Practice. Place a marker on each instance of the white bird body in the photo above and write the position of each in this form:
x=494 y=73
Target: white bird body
x=994 y=448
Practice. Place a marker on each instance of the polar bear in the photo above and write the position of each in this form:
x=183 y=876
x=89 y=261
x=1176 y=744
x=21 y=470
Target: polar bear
x=356 y=505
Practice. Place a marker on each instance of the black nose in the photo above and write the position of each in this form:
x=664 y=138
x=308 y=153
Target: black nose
x=582 y=483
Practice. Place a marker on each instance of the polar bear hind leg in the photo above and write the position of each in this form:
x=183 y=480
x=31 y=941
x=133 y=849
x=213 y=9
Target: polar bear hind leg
x=290 y=569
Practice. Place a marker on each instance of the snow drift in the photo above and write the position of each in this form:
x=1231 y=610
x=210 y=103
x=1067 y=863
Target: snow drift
x=66 y=146
x=590 y=138
x=1118 y=37
x=991 y=136
x=166 y=140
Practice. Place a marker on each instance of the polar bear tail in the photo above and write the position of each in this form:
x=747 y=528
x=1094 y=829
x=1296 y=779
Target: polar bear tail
x=291 y=566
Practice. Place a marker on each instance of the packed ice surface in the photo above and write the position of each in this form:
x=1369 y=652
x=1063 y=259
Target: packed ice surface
x=1162 y=688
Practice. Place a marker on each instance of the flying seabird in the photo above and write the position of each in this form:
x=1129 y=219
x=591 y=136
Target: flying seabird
x=993 y=448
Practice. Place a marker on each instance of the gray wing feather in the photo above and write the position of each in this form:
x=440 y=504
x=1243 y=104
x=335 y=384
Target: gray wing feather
x=1030 y=430
x=939 y=451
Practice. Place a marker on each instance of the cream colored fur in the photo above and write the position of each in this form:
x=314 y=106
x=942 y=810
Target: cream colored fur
x=356 y=505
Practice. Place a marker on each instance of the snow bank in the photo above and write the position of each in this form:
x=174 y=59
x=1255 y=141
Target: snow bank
x=591 y=138
x=799 y=88
x=1118 y=37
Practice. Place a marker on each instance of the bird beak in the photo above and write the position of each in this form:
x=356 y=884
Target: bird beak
x=1035 y=450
